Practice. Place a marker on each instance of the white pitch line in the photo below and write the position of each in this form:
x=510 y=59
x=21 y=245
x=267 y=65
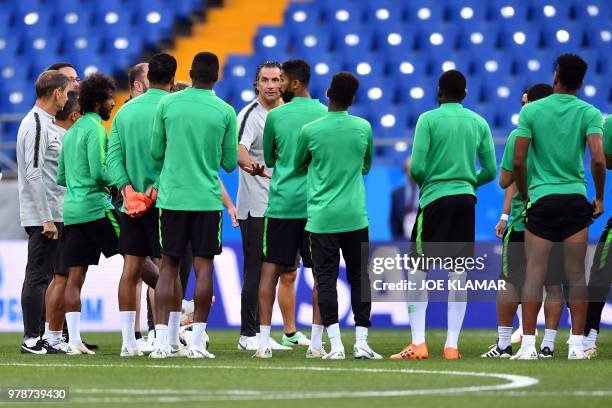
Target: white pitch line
x=514 y=382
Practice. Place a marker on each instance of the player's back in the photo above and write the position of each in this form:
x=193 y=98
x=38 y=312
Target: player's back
x=339 y=145
x=558 y=126
x=287 y=197
x=453 y=136
x=199 y=138
x=133 y=125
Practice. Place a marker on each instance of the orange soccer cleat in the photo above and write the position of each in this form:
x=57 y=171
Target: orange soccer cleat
x=452 y=354
x=412 y=352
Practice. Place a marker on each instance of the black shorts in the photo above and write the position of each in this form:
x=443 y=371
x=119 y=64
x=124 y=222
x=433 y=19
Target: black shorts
x=140 y=236
x=83 y=243
x=446 y=227
x=200 y=228
x=557 y=217
x=284 y=238
x=514 y=261
x=44 y=253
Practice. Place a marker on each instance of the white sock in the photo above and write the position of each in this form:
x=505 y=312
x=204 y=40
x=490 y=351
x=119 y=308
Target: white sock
x=549 y=339
x=417 y=308
x=46 y=328
x=361 y=336
x=197 y=341
x=46 y=334
x=528 y=341
x=333 y=332
x=576 y=340
x=503 y=336
x=53 y=337
x=591 y=340
x=519 y=314
x=73 y=321
x=264 y=336
x=316 y=336
x=457 y=303
x=30 y=341
x=161 y=336
x=128 y=319
x=174 y=325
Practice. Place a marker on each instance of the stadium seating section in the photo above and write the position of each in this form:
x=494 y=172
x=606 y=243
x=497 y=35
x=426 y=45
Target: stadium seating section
x=398 y=48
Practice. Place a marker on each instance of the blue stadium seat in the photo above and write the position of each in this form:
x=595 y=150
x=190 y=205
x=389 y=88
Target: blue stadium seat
x=599 y=35
x=438 y=38
x=351 y=39
x=383 y=12
x=537 y=64
x=591 y=10
x=74 y=23
x=424 y=11
x=508 y=11
x=421 y=91
x=563 y=35
x=361 y=111
x=440 y=63
x=311 y=39
x=302 y=16
x=16 y=97
x=154 y=20
x=468 y=11
x=271 y=40
x=520 y=37
x=492 y=65
x=322 y=67
x=545 y=10
x=239 y=67
x=487 y=111
x=474 y=92
x=375 y=92
x=342 y=12
x=596 y=91
x=122 y=50
x=406 y=67
x=9 y=45
x=84 y=45
x=505 y=95
x=394 y=38
x=390 y=121
x=223 y=90
x=479 y=36
x=33 y=22
x=365 y=65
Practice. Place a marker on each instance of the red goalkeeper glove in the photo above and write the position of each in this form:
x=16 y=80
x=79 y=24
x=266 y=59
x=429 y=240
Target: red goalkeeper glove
x=133 y=201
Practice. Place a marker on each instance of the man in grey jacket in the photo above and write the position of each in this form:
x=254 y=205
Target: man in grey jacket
x=40 y=202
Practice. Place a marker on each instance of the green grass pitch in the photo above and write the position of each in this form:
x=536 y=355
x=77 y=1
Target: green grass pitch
x=234 y=379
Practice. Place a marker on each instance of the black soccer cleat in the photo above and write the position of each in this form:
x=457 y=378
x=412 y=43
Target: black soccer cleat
x=546 y=352
x=496 y=352
x=38 y=348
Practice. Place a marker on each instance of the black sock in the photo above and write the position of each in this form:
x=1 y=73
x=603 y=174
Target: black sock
x=138 y=335
x=290 y=334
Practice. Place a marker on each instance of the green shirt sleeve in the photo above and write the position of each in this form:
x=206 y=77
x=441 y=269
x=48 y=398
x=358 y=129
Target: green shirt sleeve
x=269 y=145
x=524 y=123
x=369 y=153
x=508 y=156
x=96 y=156
x=420 y=148
x=595 y=123
x=61 y=170
x=608 y=135
x=302 y=153
x=486 y=154
x=158 y=140
x=229 y=146
x=116 y=158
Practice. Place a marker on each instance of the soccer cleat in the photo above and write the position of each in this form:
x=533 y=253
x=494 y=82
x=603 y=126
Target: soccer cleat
x=315 y=353
x=298 y=339
x=130 y=352
x=335 y=355
x=35 y=349
x=248 y=343
x=365 y=353
x=61 y=346
x=496 y=352
x=576 y=353
x=144 y=346
x=174 y=351
x=546 y=352
x=159 y=353
x=78 y=349
x=263 y=353
x=451 y=353
x=199 y=353
x=412 y=352
x=590 y=352
x=525 y=353
x=151 y=339
x=278 y=347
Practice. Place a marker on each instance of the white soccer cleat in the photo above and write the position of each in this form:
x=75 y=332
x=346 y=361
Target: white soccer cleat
x=159 y=353
x=590 y=352
x=130 y=352
x=365 y=353
x=298 y=339
x=526 y=353
x=143 y=345
x=335 y=355
x=263 y=353
x=274 y=345
x=177 y=351
x=79 y=349
x=249 y=343
x=199 y=353
x=315 y=353
x=576 y=353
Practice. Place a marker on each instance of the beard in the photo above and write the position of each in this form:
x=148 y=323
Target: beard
x=105 y=113
x=287 y=96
